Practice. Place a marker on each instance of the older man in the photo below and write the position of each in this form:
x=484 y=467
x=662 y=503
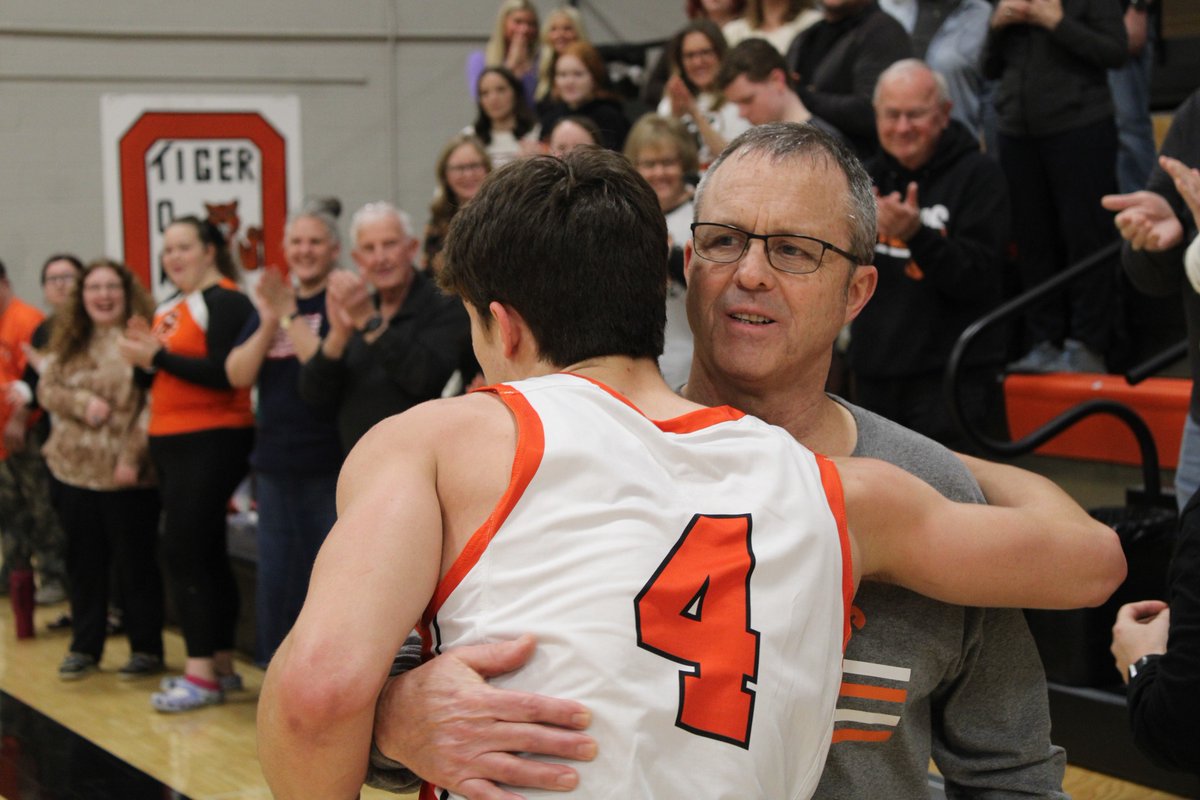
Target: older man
x=921 y=677
x=386 y=349
x=587 y=502
x=942 y=227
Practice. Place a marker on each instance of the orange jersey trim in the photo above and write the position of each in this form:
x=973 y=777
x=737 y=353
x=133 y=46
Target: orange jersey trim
x=690 y=422
x=178 y=405
x=856 y=735
x=866 y=692
x=832 y=483
x=531 y=443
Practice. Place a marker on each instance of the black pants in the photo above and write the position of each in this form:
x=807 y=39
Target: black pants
x=1056 y=183
x=107 y=530
x=198 y=472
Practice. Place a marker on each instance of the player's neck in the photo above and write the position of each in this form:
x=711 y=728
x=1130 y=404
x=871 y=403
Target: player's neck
x=636 y=379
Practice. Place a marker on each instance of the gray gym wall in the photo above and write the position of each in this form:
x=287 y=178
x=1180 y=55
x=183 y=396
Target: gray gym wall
x=380 y=83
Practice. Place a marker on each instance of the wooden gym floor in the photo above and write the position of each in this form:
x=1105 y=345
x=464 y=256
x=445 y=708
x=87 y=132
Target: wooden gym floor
x=98 y=738
x=46 y=725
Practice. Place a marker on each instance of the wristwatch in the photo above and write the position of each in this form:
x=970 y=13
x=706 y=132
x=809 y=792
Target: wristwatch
x=286 y=322
x=373 y=324
x=1140 y=664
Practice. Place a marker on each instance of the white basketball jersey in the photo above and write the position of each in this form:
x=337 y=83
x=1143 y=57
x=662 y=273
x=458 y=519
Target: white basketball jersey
x=689 y=581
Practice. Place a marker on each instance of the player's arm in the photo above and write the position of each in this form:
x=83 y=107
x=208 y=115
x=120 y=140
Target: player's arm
x=374 y=575
x=1033 y=546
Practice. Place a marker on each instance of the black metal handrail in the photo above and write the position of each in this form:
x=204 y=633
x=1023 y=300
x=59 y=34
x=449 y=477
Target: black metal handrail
x=1151 y=480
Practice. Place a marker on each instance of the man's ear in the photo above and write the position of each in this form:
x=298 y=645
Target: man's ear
x=860 y=289
x=688 y=253
x=510 y=327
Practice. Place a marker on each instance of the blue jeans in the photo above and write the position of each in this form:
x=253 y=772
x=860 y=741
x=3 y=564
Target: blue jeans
x=1130 y=87
x=1187 y=473
x=294 y=515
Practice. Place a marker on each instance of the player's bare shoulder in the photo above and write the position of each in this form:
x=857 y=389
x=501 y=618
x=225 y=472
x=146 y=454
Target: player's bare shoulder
x=446 y=428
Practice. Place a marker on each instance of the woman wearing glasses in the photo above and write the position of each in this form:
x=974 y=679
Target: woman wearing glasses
x=692 y=95
x=663 y=153
x=461 y=168
x=98 y=451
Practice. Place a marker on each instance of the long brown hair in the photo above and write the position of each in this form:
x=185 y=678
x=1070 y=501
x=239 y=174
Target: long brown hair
x=709 y=30
x=73 y=328
x=445 y=205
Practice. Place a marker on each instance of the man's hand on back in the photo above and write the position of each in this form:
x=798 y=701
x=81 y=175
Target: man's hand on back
x=445 y=723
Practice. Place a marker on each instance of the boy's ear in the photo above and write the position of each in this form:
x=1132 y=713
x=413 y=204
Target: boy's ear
x=510 y=327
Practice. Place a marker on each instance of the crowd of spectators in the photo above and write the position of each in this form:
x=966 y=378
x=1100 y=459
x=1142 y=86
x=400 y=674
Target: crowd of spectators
x=1010 y=100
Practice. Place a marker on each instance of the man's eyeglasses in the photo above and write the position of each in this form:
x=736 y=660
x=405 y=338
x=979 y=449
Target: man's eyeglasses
x=794 y=253
x=61 y=280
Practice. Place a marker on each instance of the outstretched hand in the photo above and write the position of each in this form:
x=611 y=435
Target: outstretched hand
x=138 y=344
x=445 y=723
x=1145 y=220
x=275 y=295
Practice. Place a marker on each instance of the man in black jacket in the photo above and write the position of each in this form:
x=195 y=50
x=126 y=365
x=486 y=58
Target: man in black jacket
x=942 y=227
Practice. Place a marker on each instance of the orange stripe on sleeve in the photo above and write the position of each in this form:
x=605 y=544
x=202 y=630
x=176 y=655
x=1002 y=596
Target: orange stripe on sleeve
x=873 y=692
x=531 y=443
x=855 y=735
x=690 y=422
x=832 y=483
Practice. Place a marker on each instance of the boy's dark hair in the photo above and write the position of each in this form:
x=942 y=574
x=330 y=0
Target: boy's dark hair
x=754 y=58
x=577 y=246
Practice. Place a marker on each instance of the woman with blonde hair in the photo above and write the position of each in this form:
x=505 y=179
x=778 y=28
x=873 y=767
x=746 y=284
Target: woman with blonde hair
x=563 y=26
x=513 y=45
x=98 y=451
x=663 y=152
x=777 y=21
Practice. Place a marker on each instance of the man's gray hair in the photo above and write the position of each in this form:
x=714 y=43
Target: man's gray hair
x=907 y=66
x=328 y=222
x=791 y=141
x=378 y=210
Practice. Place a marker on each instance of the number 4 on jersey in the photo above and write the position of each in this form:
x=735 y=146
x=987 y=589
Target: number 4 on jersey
x=695 y=610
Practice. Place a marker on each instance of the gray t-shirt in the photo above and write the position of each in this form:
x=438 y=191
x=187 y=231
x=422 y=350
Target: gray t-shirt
x=963 y=685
